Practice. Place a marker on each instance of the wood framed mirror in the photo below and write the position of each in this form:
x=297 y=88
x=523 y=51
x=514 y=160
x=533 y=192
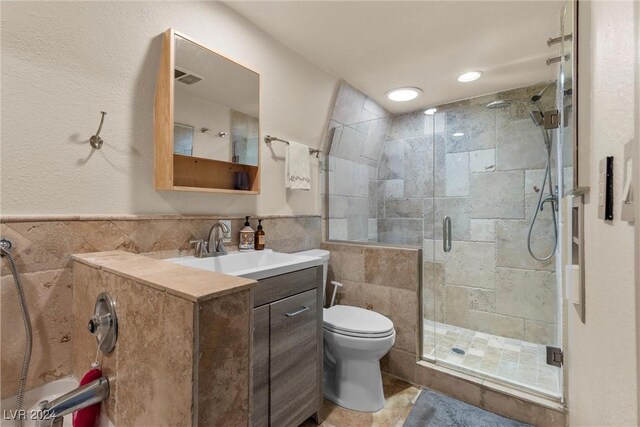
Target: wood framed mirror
x=206 y=121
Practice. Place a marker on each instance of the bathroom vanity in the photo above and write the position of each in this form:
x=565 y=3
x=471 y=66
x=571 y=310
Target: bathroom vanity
x=286 y=343
x=286 y=360
x=237 y=340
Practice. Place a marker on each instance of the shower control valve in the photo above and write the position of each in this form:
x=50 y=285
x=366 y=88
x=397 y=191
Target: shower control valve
x=98 y=321
x=104 y=323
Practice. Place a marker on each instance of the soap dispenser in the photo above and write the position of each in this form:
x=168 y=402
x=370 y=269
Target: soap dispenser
x=260 y=237
x=247 y=237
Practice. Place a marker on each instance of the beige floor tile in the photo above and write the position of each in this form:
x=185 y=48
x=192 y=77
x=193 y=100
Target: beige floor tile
x=512 y=360
x=399 y=397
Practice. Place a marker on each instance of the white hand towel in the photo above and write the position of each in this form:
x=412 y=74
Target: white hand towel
x=297 y=167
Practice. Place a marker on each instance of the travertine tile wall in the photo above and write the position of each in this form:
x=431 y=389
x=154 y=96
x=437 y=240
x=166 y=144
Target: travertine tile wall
x=43 y=248
x=355 y=137
x=487 y=181
x=224 y=365
x=177 y=362
x=156 y=377
x=384 y=279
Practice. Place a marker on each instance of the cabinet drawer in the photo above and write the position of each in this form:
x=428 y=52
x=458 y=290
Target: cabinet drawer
x=278 y=287
x=294 y=357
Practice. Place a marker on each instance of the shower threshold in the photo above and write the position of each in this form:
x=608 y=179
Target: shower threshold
x=514 y=361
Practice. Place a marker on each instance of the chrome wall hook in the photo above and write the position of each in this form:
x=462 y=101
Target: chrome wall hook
x=221 y=134
x=95 y=140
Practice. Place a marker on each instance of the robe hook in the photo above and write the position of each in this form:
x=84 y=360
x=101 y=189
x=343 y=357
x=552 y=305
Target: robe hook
x=95 y=140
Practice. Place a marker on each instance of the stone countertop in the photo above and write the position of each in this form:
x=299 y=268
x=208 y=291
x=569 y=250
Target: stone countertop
x=184 y=282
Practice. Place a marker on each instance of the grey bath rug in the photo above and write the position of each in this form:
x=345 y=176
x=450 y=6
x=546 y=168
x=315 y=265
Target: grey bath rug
x=435 y=410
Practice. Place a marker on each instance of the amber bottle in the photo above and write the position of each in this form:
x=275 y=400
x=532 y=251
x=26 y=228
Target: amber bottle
x=260 y=237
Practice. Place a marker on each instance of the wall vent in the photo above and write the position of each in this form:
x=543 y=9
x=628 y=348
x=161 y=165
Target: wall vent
x=186 y=76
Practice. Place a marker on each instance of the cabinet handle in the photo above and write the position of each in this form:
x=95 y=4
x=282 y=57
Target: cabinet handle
x=295 y=313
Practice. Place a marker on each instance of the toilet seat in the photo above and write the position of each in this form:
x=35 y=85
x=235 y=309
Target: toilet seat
x=356 y=322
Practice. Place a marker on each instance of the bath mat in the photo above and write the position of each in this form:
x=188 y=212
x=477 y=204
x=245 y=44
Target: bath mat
x=435 y=410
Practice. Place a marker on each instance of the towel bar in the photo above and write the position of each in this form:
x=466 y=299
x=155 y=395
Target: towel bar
x=269 y=139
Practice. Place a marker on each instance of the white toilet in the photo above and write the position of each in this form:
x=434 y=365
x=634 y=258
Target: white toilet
x=355 y=340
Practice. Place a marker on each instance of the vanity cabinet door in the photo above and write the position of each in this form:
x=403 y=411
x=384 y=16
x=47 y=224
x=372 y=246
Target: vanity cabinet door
x=260 y=367
x=294 y=358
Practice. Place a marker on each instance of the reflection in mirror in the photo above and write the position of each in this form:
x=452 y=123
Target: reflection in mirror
x=182 y=139
x=220 y=100
x=244 y=136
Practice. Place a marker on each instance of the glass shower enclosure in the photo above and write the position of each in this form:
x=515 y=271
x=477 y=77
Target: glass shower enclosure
x=476 y=185
x=490 y=290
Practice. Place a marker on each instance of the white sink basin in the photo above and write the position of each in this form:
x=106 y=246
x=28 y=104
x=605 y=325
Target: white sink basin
x=252 y=265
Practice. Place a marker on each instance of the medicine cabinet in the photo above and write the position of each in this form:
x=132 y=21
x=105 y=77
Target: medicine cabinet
x=206 y=120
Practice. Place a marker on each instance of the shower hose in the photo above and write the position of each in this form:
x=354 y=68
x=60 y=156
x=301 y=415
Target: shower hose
x=547 y=173
x=24 y=311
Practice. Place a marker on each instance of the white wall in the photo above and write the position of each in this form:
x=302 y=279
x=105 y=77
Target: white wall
x=63 y=62
x=602 y=364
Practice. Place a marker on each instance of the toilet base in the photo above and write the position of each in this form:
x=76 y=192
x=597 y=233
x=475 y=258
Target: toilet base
x=354 y=384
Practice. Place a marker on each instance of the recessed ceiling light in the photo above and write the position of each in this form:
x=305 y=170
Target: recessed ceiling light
x=469 y=76
x=457 y=134
x=430 y=111
x=404 y=94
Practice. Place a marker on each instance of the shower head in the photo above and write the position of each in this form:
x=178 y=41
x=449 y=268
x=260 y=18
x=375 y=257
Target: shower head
x=538 y=120
x=537 y=117
x=499 y=104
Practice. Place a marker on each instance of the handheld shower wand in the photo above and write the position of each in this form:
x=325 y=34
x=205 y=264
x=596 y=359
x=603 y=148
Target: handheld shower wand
x=5 y=252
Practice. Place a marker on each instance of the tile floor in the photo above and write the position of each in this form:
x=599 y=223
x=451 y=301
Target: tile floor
x=519 y=362
x=399 y=396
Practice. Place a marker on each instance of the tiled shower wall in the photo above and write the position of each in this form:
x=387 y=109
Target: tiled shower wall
x=356 y=136
x=42 y=249
x=486 y=180
x=382 y=279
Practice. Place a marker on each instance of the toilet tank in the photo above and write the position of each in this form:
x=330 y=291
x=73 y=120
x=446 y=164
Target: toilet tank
x=325 y=255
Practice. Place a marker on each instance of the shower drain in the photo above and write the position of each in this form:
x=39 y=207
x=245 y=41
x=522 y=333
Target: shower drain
x=457 y=350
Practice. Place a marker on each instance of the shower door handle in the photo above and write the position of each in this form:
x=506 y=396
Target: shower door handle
x=446 y=234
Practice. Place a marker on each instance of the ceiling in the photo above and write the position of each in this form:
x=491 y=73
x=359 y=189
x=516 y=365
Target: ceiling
x=380 y=45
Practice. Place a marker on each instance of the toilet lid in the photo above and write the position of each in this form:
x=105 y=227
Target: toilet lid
x=356 y=321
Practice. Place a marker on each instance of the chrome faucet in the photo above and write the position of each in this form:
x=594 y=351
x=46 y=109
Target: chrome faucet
x=214 y=245
x=52 y=413
x=217 y=247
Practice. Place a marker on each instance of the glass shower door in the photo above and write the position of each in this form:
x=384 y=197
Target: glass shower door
x=431 y=304
x=491 y=272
